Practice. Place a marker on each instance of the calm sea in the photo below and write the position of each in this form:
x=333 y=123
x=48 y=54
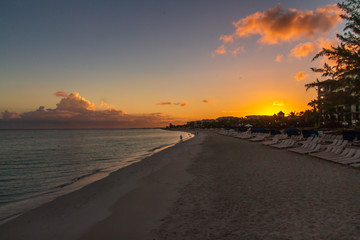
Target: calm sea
x=39 y=165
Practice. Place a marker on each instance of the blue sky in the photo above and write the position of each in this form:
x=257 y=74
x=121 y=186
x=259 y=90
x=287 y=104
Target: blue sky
x=135 y=54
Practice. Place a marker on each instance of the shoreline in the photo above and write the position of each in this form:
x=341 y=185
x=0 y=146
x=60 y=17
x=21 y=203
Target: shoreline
x=89 y=204
x=210 y=187
x=22 y=206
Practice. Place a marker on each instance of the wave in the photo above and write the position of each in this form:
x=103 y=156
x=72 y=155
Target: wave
x=160 y=147
x=72 y=181
x=62 y=160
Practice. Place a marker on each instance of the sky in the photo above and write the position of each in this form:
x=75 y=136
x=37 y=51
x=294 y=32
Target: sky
x=148 y=63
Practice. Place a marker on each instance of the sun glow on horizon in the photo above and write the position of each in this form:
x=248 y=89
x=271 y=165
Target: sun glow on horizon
x=108 y=67
x=269 y=108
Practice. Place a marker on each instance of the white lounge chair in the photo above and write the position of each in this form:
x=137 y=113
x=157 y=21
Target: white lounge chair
x=351 y=160
x=284 y=144
x=335 y=151
x=347 y=153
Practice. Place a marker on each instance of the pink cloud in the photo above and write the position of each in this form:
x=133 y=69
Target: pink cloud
x=75 y=111
x=61 y=94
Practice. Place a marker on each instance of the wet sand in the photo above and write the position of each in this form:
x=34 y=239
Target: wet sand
x=128 y=204
x=210 y=187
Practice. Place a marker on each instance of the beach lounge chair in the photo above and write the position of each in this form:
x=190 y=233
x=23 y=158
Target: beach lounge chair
x=284 y=144
x=328 y=149
x=309 y=139
x=355 y=165
x=308 y=148
x=354 y=159
x=259 y=138
x=275 y=140
x=334 y=152
x=344 y=143
x=244 y=135
x=347 y=153
x=313 y=148
x=301 y=148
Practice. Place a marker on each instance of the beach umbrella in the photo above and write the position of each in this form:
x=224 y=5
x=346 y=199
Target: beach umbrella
x=292 y=131
x=274 y=132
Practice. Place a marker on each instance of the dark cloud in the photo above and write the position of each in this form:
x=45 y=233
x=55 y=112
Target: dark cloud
x=10 y=115
x=164 y=103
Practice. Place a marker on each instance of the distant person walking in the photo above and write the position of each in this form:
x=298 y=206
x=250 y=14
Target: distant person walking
x=180 y=137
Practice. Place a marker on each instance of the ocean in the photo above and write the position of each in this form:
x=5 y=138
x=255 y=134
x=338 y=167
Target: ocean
x=37 y=166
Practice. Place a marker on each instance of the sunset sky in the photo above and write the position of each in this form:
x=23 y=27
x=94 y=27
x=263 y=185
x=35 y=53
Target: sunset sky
x=148 y=63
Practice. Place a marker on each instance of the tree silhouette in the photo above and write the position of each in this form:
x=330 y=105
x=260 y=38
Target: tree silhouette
x=342 y=78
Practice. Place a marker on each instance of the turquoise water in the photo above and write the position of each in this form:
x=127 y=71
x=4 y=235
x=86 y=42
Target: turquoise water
x=39 y=165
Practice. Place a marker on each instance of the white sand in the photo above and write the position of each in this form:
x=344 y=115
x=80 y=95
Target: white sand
x=211 y=187
x=243 y=190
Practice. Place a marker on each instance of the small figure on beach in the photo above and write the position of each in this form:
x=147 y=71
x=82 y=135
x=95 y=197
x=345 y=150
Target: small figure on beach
x=180 y=137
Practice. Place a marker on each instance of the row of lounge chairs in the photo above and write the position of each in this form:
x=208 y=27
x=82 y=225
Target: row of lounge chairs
x=338 y=151
x=328 y=147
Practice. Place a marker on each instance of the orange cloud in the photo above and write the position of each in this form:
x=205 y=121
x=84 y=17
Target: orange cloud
x=61 y=94
x=237 y=50
x=300 y=76
x=220 y=51
x=75 y=103
x=279 y=58
x=106 y=106
x=226 y=38
x=327 y=43
x=206 y=101
x=281 y=25
x=75 y=111
x=303 y=49
x=184 y=104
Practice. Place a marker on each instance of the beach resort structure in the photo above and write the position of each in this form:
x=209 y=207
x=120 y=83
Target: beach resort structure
x=329 y=111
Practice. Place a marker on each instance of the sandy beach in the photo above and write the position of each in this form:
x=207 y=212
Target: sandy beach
x=210 y=187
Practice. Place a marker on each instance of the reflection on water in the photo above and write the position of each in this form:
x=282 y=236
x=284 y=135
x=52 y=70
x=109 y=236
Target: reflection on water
x=37 y=165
